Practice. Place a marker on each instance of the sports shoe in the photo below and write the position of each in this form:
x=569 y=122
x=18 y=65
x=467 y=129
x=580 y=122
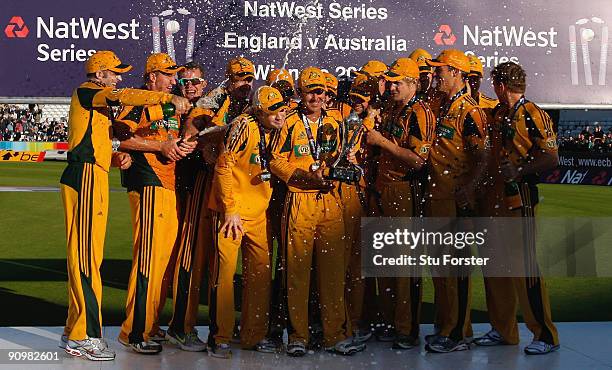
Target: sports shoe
x=94 y=349
x=268 y=346
x=296 y=349
x=540 y=348
x=405 y=342
x=385 y=334
x=147 y=347
x=220 y=350
x=347 y=347
x=63 y=341
x=187 y=341
x=362 y=336
x=430 y=338
x=492 y=338
x=159 y=336
x=444 y=344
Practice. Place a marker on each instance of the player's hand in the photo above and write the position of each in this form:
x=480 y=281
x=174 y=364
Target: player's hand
x=352 y=156
x=181 y=105
x=121 y=160
x=170 y=150
x=187 y=146
x=375 y=138
x=508 y=170
x=232 y=225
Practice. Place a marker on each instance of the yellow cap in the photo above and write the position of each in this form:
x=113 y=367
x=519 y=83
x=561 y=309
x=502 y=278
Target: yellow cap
x=475 y=65
x=162 y=62
x=453 y=58
x=241 y=68
x=268 y=99
x=279 y=75
x=331 y=82
x=402 y=68
x=105 y=60
x=421 y=56
x=312 y=78
x=374 y=68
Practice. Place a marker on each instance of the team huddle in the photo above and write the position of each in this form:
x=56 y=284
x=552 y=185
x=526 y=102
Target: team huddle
x=283 y=175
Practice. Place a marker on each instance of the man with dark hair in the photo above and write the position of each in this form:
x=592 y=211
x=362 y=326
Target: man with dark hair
x=474 y=80
x=84 y=190
x=527 y=144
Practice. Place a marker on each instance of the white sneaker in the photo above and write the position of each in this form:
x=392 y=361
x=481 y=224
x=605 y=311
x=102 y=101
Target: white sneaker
x=540 y=348
x=347 y=347
x=94 y=349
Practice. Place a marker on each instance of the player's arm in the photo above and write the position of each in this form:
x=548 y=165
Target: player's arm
x=474 y=142
x=544 y=155
x=108 y=96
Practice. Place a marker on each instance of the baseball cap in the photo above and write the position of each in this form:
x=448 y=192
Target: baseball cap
x=241 y=68
x=105 y=60
x=162 y=62
x=421 y=56
x=331 y=82
x=374 y=68
x=312 y=78
x=475 y=65
x=361 y=91
x=402 y=68
x=277 y=75
x=268 y=99
x=453 y=58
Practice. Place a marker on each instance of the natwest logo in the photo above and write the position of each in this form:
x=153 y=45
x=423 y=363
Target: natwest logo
x=16 y=28
x=445 y=36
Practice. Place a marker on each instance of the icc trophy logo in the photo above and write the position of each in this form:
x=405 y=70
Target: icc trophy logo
x=584 y=31
x=171 y=27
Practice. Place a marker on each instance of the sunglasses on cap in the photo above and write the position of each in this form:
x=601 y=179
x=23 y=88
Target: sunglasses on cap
x=194 y=81
x=277 y=107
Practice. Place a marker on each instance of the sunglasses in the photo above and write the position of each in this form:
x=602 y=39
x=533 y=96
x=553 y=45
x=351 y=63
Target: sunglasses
x=194 y=81
x=317 y=91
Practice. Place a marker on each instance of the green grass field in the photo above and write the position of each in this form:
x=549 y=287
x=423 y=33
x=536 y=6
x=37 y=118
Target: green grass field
x=33 y=265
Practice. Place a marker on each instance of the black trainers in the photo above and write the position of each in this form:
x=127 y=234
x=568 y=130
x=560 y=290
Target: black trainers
x=296 y=349
x=445 y=344
x=147 y=347
x=268 y=346
x=220 y=350
x=405 y=342
x=385 y=334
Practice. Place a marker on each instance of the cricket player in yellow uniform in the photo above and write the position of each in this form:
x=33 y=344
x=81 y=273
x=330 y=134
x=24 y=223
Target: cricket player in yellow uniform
x=407 y=131
x=240 y=195
x=528 y=147
x=282 y=80
x=331 y=98
x=474 y=80
x=313 y=225
x=84 y=190
x=152 y=139
x=457 y=163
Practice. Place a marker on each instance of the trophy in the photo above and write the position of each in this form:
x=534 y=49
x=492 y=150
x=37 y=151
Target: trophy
x=342 y=169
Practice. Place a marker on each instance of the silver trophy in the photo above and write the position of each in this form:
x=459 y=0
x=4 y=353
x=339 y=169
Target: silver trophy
x=342 y=169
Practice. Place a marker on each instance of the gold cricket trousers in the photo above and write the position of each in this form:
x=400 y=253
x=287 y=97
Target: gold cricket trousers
x=400 y=297
x=193 y=243
x=256 y=278
x=504 y=294
x=85 y=213
x=154 y=229
x=452 y=293
x=313 y=227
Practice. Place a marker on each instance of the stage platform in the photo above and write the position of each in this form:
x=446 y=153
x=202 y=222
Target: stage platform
x=583 y=346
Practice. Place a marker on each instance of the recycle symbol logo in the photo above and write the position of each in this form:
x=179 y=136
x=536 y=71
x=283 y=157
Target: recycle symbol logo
x=445 y=36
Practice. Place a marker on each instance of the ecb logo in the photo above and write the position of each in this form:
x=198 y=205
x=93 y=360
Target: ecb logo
x=171 y=27
x=588 y=32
